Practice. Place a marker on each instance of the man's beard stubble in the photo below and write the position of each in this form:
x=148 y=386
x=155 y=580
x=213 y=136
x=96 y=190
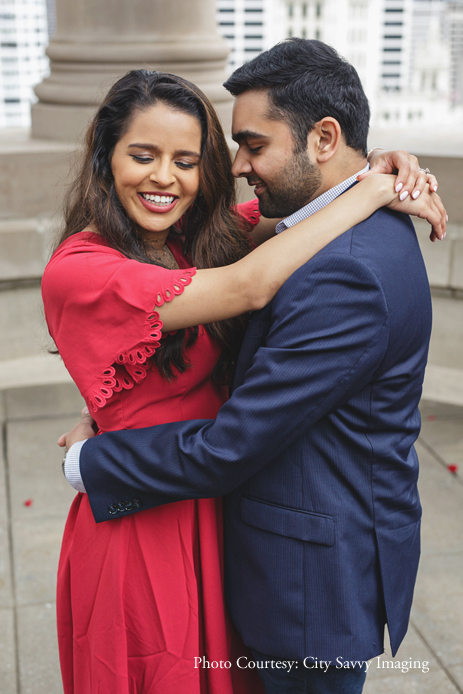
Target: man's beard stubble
x=293 y=187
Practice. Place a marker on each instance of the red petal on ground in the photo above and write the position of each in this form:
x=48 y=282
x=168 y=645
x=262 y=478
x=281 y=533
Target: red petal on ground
x=452 y=468
x=28 y=502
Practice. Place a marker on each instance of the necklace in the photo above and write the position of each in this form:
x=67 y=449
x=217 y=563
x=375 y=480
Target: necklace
x=164 y=256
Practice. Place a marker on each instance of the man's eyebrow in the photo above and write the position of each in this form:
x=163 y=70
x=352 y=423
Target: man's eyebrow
x=178 y=152
x=245 y=134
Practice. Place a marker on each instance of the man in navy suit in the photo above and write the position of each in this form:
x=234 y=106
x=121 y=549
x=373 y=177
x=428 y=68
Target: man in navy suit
x=314 y=450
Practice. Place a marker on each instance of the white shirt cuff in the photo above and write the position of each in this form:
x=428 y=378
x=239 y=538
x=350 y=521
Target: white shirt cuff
x=72 y=467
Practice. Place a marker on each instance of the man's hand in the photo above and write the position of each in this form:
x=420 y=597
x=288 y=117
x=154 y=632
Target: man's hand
x=80 y=432
x=411 y=178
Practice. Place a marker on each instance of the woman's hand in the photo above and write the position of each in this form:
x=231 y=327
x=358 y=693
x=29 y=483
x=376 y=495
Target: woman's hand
x=411 y=178
x=427 y=206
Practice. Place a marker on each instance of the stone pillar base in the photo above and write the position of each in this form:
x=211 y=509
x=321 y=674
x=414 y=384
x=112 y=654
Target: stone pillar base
x=60 y=122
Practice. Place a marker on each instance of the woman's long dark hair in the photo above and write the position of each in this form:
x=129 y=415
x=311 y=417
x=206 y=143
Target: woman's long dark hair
x=212 y=235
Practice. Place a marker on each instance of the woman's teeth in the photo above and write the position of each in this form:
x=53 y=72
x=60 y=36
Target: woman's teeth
x=159 y=199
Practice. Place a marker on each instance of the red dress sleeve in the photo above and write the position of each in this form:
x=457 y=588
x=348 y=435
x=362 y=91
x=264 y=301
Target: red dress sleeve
x=100 y=309
x=249 y=211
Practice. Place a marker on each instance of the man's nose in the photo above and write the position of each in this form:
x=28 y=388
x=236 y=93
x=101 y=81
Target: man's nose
x=241 y=165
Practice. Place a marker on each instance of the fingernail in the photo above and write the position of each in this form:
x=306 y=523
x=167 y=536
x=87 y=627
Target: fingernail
x=435 y=189
x=415 y=194
x=403 y=196
x=86 y=410
x=399 y=187
x=445 y=234
x=446 y=218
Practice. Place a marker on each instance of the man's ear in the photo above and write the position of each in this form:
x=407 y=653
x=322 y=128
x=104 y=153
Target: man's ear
x=324 y=139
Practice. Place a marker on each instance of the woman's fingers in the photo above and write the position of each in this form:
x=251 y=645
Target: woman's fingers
x=418 y=185
x=435 y=215
x=432 y=183
x=427 y=206
x=407 y=168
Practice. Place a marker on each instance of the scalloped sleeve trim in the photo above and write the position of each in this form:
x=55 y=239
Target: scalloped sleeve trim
x=249 y=211
x=131 y=366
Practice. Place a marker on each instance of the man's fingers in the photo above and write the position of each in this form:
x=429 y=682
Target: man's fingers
x=82 y=430
x=62 y=440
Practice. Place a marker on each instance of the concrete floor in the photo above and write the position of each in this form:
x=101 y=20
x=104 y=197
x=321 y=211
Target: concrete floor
x=30 y=538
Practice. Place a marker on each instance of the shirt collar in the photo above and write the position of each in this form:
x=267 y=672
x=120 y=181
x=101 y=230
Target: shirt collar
x=319 y=203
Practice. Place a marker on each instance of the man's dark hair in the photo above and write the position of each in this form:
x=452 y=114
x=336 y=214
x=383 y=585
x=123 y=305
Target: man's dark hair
x=308 y=80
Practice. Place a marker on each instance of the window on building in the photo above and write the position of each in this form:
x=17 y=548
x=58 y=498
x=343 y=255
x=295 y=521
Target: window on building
x=290 y=10
x=304 y=9
x=253 y=36
x=290 y=33
x=318 y=34
x=304 y=33
x=318 y=9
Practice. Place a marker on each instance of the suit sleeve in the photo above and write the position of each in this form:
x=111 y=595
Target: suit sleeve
x=328 y=335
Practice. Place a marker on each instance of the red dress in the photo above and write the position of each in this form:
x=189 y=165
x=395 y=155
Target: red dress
x=139 y=597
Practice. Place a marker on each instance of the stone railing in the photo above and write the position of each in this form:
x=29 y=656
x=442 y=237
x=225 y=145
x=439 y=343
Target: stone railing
x=33 y=177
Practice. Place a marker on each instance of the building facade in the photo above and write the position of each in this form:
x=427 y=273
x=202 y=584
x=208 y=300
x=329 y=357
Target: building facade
x=23 y=63
x=408 y=53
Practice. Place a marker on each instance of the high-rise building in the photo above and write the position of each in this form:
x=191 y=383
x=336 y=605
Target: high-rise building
x=244 y=25
x=408 y=53
x=23 y=63
x=453 y=33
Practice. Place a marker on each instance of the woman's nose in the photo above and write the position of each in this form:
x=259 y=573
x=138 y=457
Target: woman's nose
x=163 y=174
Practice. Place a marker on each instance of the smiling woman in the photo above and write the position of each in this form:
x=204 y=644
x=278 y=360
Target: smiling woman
x=155 y=166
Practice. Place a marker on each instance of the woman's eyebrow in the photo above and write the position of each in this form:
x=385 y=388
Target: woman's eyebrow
x=186 y=153
x=178 y=152
x=143 y=145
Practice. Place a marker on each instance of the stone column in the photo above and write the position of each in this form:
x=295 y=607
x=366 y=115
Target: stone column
x=97 y=41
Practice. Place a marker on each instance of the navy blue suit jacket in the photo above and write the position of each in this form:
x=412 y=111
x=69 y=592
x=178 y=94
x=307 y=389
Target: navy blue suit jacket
x=314 y=451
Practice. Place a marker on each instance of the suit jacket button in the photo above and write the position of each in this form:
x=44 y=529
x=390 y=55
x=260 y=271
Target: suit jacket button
x=120 y=506
x=112 y=509
x=128 y=505
x=136 y=503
